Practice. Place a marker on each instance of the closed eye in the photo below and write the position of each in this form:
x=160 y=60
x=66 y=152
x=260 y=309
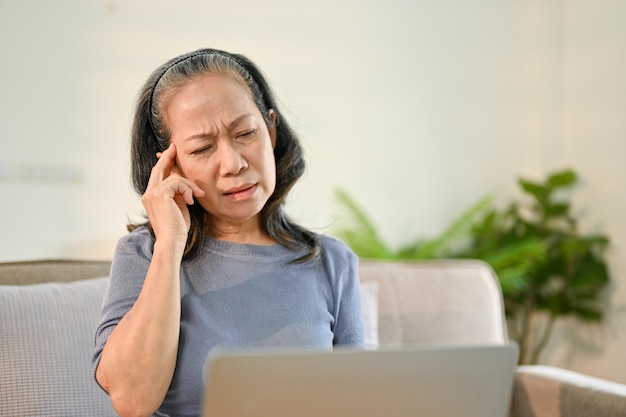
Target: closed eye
x=246 y=134
x=202 y=150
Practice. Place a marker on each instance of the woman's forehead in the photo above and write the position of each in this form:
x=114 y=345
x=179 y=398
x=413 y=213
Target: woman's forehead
x=207 y=100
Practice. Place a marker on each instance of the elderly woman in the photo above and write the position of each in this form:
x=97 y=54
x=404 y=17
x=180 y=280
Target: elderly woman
x=217 y=265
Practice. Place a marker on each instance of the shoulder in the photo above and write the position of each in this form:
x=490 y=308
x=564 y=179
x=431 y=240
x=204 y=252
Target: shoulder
x=131 y=259
x=333 y=247
x=138 y=242
x=336 y=255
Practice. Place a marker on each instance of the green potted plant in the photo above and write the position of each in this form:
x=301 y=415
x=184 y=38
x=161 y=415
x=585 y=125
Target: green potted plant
x=545 y=266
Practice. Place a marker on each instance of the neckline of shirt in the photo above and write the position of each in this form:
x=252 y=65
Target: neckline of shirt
x=247 y=250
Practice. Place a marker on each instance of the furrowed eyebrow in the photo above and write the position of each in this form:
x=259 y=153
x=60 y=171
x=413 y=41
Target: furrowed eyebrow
x=200 y=136
x=231 y=125
x=238 y=120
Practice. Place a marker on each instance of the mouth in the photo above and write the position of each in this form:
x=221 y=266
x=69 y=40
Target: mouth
x=240 y=193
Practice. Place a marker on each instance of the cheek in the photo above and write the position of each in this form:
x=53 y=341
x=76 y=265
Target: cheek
x=193 y=170
x=270 y=163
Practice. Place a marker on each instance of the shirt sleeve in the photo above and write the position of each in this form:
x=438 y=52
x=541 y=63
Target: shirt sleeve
x=349 y=328
x=129 y=266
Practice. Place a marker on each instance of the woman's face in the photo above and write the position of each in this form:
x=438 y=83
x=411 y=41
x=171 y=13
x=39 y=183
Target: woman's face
x=224 y=146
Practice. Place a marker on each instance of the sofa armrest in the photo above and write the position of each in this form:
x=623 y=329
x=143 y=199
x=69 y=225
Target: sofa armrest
x=545 y=391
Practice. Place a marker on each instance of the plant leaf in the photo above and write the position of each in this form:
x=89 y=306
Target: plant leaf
x=557 y=209
x=561 y=179
x=536 y=190
x=443 y=245
x=590 y=276
x=360 y=234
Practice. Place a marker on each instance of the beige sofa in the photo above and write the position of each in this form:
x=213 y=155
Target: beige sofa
x=49 y=309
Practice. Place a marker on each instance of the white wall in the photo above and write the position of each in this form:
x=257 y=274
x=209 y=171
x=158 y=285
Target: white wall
x=417 y=108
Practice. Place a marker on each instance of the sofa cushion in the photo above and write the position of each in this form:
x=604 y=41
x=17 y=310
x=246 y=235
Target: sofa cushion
x=47 y=343
x=369 y=306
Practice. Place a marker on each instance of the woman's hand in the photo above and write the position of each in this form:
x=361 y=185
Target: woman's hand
x=138 y=361
x=166 y=198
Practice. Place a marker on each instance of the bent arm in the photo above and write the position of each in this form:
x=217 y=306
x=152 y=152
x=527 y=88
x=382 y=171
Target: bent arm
x=138 y=361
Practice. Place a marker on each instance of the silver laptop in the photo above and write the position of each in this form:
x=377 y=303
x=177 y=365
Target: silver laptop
x=424 y=381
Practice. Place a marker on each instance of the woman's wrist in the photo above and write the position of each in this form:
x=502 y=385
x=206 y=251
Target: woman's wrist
x=169 y=248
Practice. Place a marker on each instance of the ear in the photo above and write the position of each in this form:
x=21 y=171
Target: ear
x=272 y=127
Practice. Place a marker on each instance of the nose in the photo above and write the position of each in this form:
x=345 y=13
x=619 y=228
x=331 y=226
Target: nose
x=231 y=160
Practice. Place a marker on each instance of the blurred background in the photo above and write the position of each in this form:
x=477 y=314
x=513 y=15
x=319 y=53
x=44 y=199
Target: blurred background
x=416 y=108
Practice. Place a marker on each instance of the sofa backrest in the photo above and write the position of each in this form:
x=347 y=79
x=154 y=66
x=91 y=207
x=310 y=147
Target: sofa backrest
x=40 y=271
x=437 y=301
x=447 y=301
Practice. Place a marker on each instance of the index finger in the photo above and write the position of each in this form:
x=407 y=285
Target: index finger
x=163 y=168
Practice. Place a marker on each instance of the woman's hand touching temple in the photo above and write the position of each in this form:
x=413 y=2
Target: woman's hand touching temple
x=166 y=199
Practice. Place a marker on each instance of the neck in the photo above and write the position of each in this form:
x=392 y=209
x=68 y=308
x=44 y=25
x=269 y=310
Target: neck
x=249 y=232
